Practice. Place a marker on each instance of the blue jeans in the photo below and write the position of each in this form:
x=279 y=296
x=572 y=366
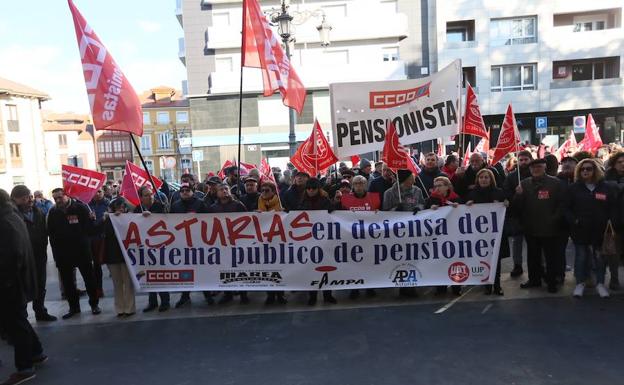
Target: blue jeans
x=584 y=259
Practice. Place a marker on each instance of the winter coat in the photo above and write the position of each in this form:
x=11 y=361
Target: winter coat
x=426 y=177
x=540 y=206
x=436 y=199
x=176 y=196
x=587 y=212
x=155 y=208
x=464 y=183
x=232 y=206
x=272 y=204
x=511 y=182
x=37 y=233
x=291 y=198
x=70 y=231
x=250 y=201
x=318 y=202
x=112 y=251
x=611 y=175
x=486 y=195
x=380 y=186
x=411 y=199
x=193 y=205
x=18 y=277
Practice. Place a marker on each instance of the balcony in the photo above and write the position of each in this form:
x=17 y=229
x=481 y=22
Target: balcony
x=567 y=45
x=563 y=84
x=182 y=50
x=178 y=12
x=312 y=76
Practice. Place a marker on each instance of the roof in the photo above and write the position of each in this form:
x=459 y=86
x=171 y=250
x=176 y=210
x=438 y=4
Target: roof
x=163 y=97
x=167 y=104
x=10 y=87
x=67 y=121
x=55 y=126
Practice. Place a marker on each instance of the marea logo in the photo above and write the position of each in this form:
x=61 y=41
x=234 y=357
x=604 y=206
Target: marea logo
x=253 y=276
x=482 y=271
x=405 y=275
x=324 y=281
x=174 y=276
x=458 y=272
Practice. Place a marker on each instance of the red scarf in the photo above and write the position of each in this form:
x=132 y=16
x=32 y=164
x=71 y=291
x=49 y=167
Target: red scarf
x=444 y=200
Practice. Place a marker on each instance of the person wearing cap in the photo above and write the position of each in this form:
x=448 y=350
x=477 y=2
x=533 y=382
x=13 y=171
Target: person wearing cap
x=188 y=203
x=409 y=198
x=211 y=194
x=291 y=198
x=590 y=203
x=538 y=202
x=18 y=283
x=189 y=180
x=383 y=183
x=123 y=288
x=147 y=207
x=250 y=199
x=315 y=198
x=36 y=224
x=365 y=168
x=231 y=179
x=70 y=224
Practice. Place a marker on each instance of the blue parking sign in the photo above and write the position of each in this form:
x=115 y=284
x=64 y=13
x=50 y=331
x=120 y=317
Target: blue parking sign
x=541 y=124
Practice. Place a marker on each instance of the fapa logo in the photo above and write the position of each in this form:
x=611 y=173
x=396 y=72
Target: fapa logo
x=324 y=281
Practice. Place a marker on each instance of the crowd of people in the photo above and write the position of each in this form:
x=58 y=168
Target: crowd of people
x=550 y=201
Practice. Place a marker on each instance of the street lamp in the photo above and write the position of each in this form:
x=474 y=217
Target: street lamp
x=285 y=21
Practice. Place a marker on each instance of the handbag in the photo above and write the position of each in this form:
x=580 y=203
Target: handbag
x=609 y=243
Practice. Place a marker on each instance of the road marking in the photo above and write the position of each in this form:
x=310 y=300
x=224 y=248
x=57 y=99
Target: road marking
x=453 y=302
x=487 y=307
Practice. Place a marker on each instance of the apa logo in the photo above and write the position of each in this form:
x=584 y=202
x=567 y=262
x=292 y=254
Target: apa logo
x=458 y=272
x=482 y=271
x=405 y=275
x=324 y=281
x=165 y=276
x=387 y=99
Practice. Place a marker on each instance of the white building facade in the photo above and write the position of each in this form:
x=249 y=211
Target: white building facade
x=370 y=40
x=550 y=58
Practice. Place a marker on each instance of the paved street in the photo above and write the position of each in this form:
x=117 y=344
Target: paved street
x=526 y=337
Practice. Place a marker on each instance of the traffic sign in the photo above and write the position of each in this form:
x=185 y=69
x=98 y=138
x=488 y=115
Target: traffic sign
x=198 y=155
x=541 y=125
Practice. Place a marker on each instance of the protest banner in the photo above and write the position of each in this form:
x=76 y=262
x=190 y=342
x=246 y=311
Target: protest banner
x=421 y=109
x=311 y=250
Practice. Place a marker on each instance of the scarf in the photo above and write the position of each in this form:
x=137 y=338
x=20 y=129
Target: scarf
x=444 y=200
x=272 y=204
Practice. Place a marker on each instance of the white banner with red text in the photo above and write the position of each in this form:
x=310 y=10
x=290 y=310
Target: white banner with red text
x=421 y=109
x=312 y=250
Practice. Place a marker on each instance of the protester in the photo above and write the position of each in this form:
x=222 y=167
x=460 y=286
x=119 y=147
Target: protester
x=429 y=172
x=566 y=177
x=211 y=195
x=486 y=191
x=512 y=221
x=18 y=283
x=590 y=203
x=315 y=198
x=113 y=258
x=465 y=177
x=291 y=198
x=189 y=203
x=250 y=198
x=70 y=225
x=147 y=206
x=365 y=168
x=187 y=179
x=42 y=203
x=615 y=175
x=231 y=179
x=450 y=166
x=539 y=204
x=381 y=184
x=36 y=224
x=377 y=173
x=99 y=206
x=403 y=196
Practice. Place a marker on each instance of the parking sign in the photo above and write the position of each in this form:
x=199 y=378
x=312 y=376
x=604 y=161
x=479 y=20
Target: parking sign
x=541 y=125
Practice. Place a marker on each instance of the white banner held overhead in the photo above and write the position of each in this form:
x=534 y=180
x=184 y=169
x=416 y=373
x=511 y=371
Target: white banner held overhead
x=311 y=250
x=421 y=109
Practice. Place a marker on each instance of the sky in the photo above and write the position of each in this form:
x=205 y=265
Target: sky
x=38 y=45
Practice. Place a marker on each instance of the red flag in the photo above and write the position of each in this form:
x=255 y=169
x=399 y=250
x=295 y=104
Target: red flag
x=483 y=145
x=567 y=145
x=135 y=178
x=467 y=153
x=441 y=148
x=314 y=155
x=508 y=138
x=265 y=168
x=114 y=104
x=394 y=155
x=80 y=183
x=592 y=140
x=355 y=159
x=244 y=168
x=262 y=50
x=473 y=120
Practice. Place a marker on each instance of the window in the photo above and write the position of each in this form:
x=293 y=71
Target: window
x=108 y=146
x=469 y=75
x=186 y=163
x=146 y=142
x=146 y=118
x=162 y=117
x=182 y=116
x=455 y=35
x=12 y=120
x=513 y=31
x=586 y=23
x=75 y=161
x=164 y=140
x=588 y=71
x=15 y=150
x=336 y=11
x=513 y=78
x=62 y=140
x=390 y=54
x=224 y=64
x=221 y=19
x=117 y=146
x=150 y=166
x=336 y=57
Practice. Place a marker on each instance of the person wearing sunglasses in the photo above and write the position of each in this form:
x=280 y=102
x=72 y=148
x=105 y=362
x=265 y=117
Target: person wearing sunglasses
x=590 y=204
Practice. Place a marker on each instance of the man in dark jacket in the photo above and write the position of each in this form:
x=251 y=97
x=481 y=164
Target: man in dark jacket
x=566 y=177
x=226 y=204
x=291 y=198
x=190 y=180
x=211 y=195
x=18 y=286
x=98 y=205
x=539 y=204
x=615 y=175
x=429 y=173
x=188 y=203
x=70 y=225
x=464 y=180
x=250 y=199
x=36 y=224
x=383 y=183
x=512 y=222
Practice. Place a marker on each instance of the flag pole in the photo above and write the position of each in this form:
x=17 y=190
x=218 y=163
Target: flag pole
x=240 y=97
x=136 y=147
